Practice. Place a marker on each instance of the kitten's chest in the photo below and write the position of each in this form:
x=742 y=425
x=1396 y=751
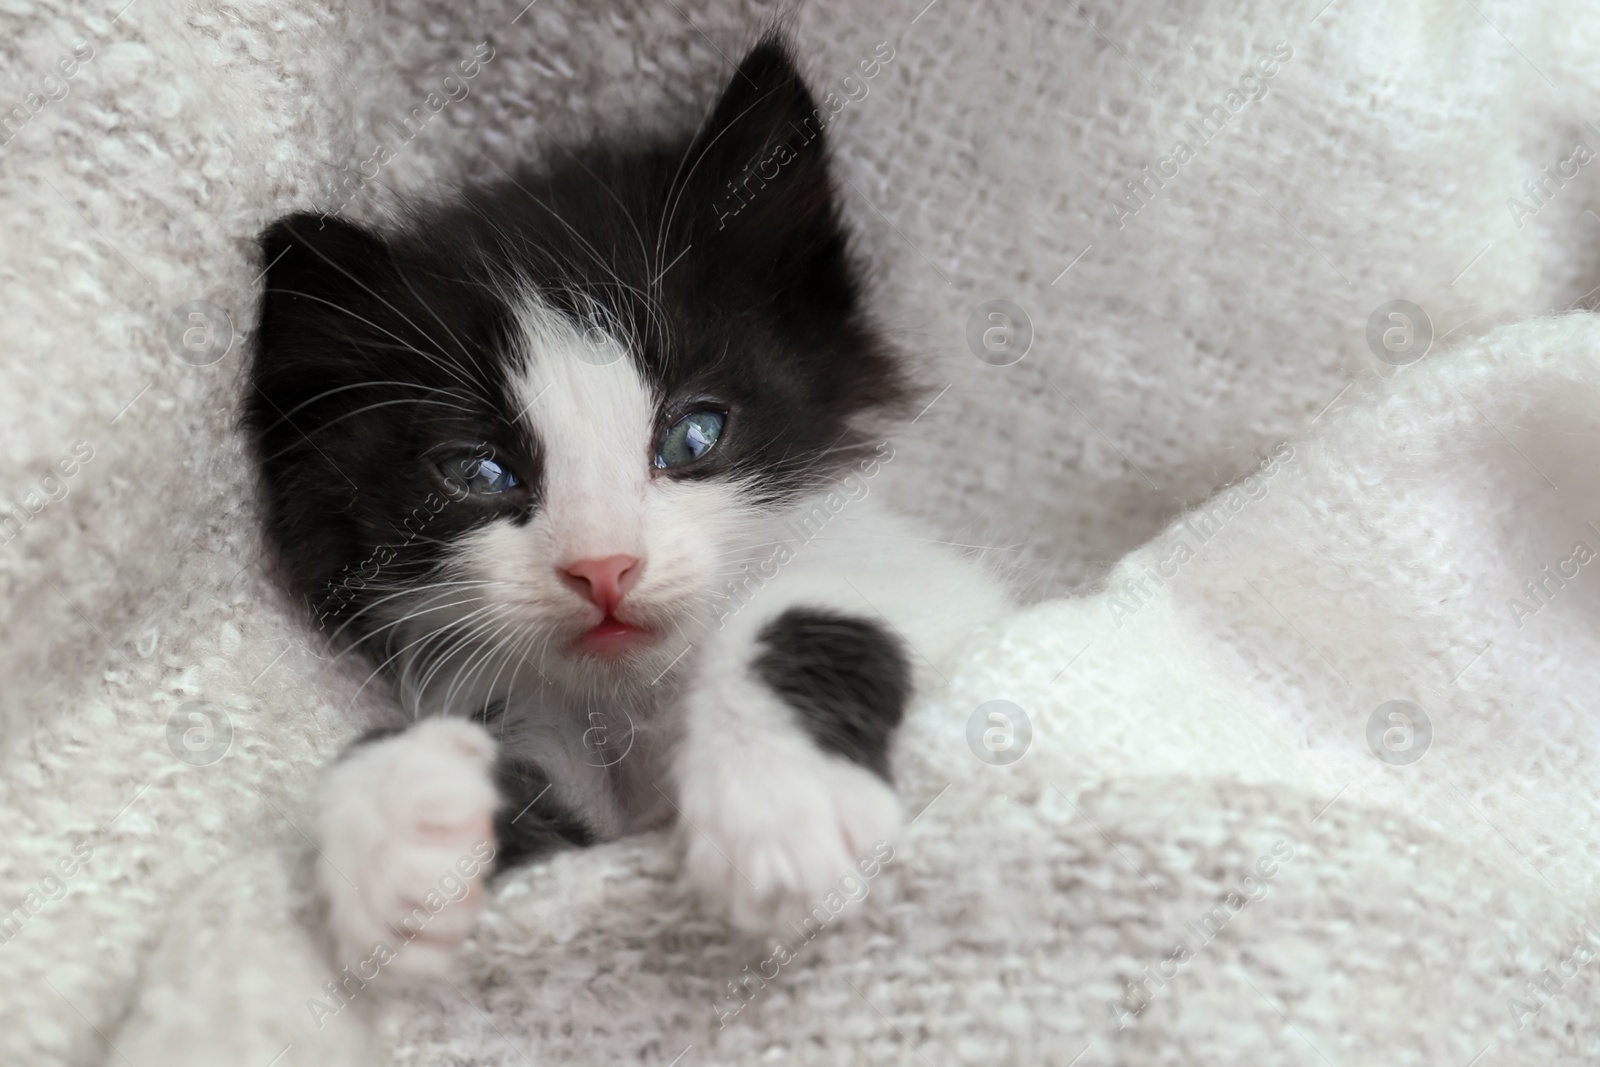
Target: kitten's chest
x=607 y=757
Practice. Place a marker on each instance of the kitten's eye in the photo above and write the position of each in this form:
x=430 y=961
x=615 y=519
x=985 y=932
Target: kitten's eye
x=477 y=475
x=689 y=438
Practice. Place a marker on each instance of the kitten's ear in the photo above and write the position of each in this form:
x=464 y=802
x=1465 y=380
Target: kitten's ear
x=760 y=161
x=321 y=272
x=322 y=242
x=335 y=306
x=331 y=308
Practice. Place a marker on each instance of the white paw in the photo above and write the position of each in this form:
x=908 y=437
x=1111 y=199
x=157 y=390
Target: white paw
x=407 y=833
x=770 y=834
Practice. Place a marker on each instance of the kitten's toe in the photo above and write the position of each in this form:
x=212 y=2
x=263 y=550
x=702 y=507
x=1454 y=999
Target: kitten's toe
x=773 y=842
x=407 y=836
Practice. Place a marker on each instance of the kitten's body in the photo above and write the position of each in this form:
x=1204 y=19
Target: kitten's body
x=544 y=456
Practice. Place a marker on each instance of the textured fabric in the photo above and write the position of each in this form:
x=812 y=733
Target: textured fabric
x=1181 y=726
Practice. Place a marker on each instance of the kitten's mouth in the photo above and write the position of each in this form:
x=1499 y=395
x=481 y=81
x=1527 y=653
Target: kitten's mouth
x=612 y=638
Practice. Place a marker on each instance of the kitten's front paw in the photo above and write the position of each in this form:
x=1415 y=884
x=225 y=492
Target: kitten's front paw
x=771 y=835
x=407 y=835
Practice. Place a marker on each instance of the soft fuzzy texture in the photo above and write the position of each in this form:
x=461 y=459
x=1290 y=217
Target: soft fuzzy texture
x=1223 y=715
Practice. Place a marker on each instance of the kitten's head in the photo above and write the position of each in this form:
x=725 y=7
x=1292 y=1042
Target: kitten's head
x=542 y=426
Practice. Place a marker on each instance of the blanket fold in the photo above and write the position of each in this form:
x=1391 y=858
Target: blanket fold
x=1239 y=796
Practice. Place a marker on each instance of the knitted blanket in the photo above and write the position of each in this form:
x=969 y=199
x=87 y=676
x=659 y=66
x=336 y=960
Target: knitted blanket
x=1291 y=758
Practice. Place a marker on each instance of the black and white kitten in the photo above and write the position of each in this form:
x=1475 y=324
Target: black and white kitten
x=581 y=461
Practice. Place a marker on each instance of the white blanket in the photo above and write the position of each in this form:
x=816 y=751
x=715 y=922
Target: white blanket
x=1200 y=716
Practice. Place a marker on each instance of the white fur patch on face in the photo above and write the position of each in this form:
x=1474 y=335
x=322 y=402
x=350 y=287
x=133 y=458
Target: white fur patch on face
x=595 y=418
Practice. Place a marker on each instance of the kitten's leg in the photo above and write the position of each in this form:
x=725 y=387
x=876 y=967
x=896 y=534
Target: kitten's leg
x=783 y=770
x=412 y=822
x=407 y=838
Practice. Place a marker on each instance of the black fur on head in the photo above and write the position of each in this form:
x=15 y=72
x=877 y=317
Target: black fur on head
x=717 y=260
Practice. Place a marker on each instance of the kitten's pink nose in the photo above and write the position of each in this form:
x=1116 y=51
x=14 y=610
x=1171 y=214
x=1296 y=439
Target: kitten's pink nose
x=605 y=581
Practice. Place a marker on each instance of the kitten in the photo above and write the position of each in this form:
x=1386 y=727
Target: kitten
x=543 y=455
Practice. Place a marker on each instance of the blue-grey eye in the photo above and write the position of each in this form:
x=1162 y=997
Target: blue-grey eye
x=477 y=475
x=689 y=438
